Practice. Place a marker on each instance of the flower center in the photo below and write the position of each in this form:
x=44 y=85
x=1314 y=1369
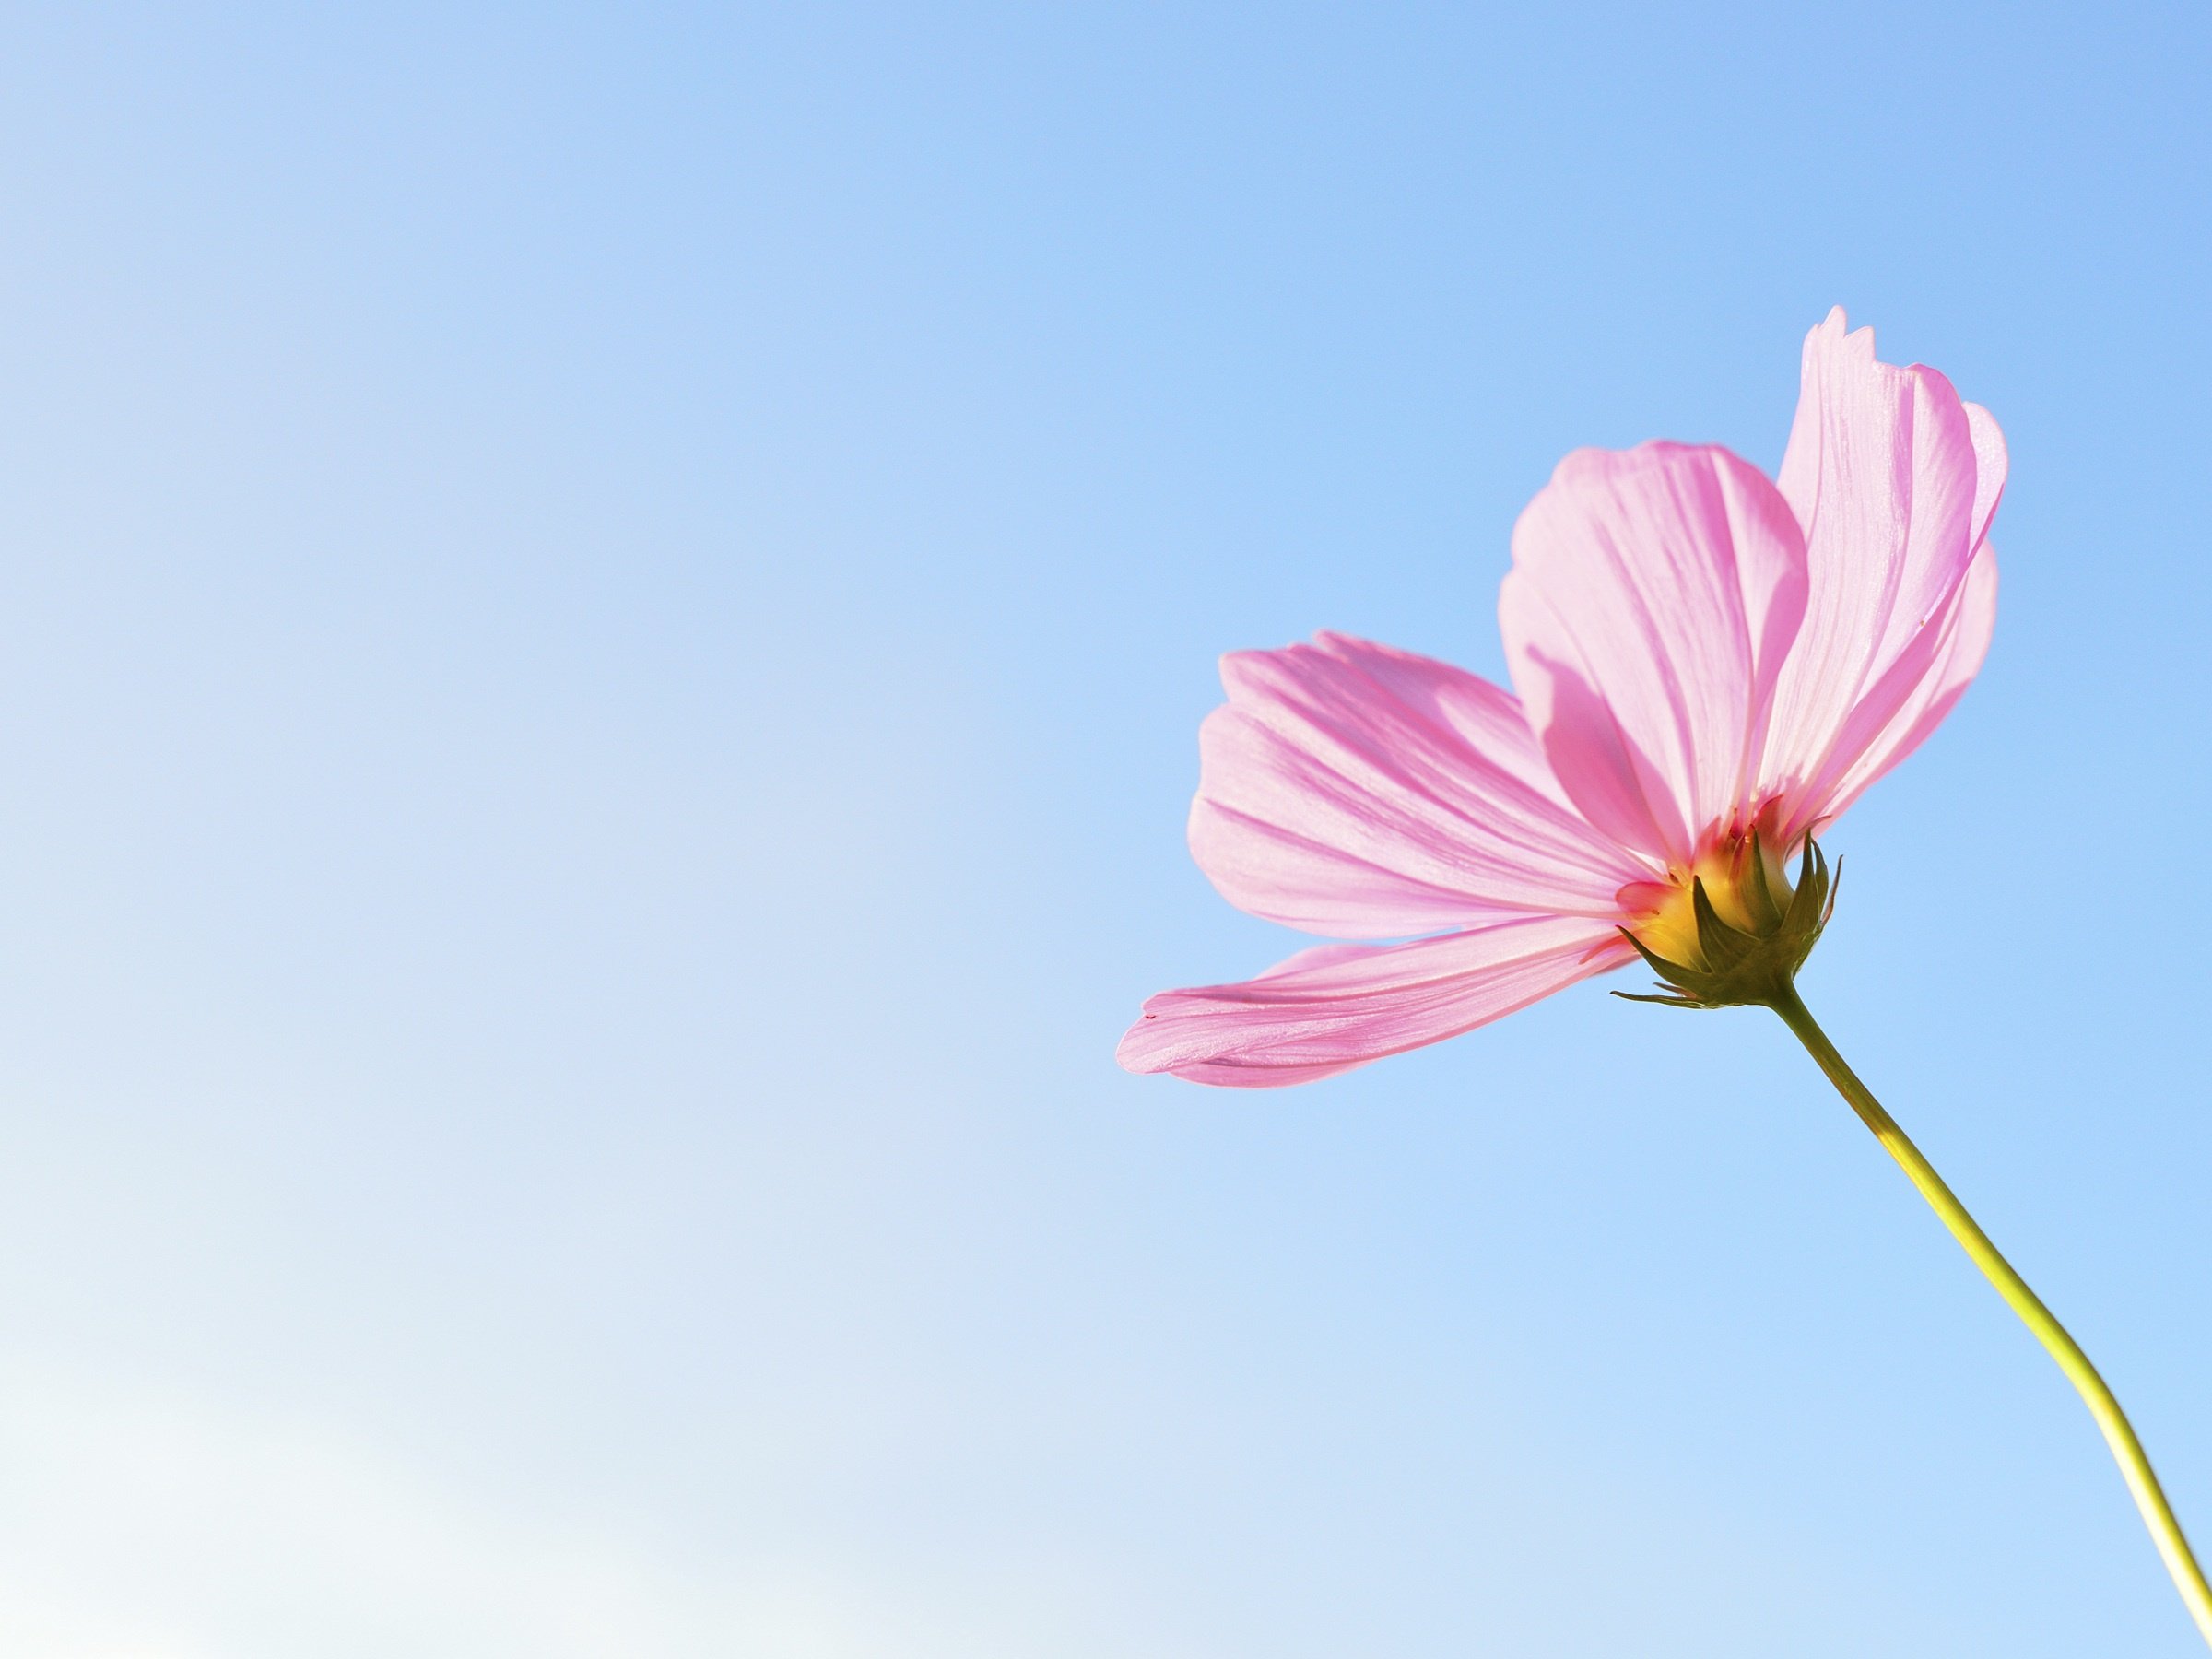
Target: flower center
x=1746 y=879
x=1733 y=928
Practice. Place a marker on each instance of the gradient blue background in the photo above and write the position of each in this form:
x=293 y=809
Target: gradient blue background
x=603 y=615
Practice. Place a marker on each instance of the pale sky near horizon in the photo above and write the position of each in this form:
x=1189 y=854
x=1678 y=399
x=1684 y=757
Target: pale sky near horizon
x=602 y=617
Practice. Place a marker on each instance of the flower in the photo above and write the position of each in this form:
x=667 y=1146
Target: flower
x=1710 y=667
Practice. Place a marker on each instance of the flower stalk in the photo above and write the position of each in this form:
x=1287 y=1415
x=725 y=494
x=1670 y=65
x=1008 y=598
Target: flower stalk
x=2112 y=1423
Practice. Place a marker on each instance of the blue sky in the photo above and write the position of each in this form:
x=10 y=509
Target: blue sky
x=603 y=615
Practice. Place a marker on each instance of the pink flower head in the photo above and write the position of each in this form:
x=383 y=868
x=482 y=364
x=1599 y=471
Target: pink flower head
x=1700 y=655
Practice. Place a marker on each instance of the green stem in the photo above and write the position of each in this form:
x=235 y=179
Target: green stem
x=2127 y=1450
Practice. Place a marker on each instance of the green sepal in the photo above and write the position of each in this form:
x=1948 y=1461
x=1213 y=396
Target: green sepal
x=1808 y=902
x=1724 y=945
x=1767 y=910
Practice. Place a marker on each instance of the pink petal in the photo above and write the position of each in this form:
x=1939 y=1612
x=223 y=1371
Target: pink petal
x=1654 y=595
x=1990 y=464
x=1331 y=1008
x=1895 y=481
x=1959 y=658
x=1359 y=791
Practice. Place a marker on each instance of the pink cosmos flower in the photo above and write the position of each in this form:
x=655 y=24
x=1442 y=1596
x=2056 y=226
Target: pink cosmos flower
x=1708 y=666
x=1711 y=667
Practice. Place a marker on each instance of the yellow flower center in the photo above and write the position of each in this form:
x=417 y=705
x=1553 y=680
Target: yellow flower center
x=1746 y=880
x=1732 y=929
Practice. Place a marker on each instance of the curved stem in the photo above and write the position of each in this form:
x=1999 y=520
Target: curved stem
x=2127 y=1450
